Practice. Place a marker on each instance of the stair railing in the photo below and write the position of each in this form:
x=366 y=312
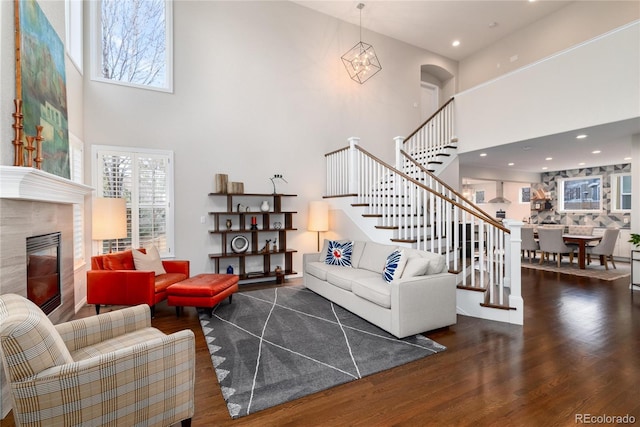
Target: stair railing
x=431 y=138
x=475 y=246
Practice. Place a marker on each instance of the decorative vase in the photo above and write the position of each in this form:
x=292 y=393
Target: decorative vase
x=264 y=207
x=230 y=269
x=228 y=223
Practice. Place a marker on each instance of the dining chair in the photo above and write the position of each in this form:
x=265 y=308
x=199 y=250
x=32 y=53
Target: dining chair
x=581 y=230
x=551 y=242
x=529 y=242
x=605 y=248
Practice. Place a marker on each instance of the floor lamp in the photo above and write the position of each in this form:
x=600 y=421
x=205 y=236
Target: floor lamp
x=109 y=219
x=318 y=218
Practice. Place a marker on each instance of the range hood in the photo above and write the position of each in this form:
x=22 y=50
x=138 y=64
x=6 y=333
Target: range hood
x=499 y=194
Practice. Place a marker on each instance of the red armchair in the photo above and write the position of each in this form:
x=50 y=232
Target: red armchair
x=113 y=280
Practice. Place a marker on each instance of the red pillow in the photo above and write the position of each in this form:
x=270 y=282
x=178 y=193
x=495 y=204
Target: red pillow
x=119 y=261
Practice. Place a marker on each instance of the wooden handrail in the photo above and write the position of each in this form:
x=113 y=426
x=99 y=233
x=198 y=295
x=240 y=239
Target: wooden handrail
x=438 y=194
x=427 y=121
x=336 y=151
x=448 y=187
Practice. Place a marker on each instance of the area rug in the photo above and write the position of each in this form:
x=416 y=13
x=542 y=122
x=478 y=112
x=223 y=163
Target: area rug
x=274 y=345
x=594 y=270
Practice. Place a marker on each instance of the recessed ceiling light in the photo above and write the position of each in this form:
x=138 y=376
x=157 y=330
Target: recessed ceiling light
x=526 y=148
x=581 y=136
x=483 y=154
x=581 y=164
x=627 y=158
x=510 y=164
x=493 y=24
x=545 y=168
x=595 y=152
x=548 y=158
x=455 y=43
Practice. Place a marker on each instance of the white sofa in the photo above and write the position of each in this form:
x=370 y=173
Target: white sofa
x=423 y=298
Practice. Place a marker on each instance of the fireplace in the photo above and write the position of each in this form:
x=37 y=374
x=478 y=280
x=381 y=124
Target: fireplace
x=43 y=271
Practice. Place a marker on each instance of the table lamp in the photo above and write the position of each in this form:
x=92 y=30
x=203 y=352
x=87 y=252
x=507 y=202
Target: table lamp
x=109 y=220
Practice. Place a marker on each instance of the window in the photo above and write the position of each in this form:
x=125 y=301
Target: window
x=621 y=192
x=76 y=160
x=73 y=10
x=524 y=196
x=479 y=196
x=132 y=43
x=580 y=194
x=144 y=178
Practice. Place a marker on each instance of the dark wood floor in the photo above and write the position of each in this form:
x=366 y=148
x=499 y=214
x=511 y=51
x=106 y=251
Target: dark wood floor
x=578 y=353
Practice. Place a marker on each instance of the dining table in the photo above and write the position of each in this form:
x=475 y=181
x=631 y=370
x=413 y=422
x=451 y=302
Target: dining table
x=581 y=241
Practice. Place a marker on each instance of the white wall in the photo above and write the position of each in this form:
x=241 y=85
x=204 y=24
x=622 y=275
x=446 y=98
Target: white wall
x=575 y=23
x=259 y=89
x=591 y=84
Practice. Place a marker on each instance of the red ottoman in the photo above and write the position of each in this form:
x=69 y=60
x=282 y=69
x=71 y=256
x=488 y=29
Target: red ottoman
x=203 y=290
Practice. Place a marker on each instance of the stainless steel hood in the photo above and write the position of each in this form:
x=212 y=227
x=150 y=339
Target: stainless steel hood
x=499 y=194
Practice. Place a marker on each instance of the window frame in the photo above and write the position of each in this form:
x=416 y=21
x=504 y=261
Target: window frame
x=96 y=48
x=74 y=11
x=561 y=190
x=134 y=152
x=76 y=159
x=616 y=192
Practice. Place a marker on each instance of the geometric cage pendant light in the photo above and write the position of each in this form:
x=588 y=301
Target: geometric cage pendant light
x=361 y=61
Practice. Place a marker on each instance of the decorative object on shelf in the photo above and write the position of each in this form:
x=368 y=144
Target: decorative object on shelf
x=278 y=270
x=265 y=249
x=275 y=245
x=361 y=61
x=228 y=224
x=30 y=148
x=17 y=133
x=264 y=207
x=39 y=140
x=277 y=225
x=318 y=218
x=221 y=183
x=230 y=269
x=273 y=179
x=239 y=244
x=240 y=207
x=254 y=223
x=235 y=188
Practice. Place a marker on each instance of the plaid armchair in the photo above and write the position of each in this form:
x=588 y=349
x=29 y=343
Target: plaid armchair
x=110 y=369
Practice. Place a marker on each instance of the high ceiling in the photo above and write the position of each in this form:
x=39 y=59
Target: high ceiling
x=434 y=25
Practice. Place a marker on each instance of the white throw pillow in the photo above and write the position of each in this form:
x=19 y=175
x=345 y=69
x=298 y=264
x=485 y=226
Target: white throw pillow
x=415 y=266
x=149 y=261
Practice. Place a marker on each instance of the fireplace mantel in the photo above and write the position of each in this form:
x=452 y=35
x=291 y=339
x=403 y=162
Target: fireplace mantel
x=24 y=183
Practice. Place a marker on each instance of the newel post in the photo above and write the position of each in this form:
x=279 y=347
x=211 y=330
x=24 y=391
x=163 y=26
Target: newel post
x=512 y=270
x=399 y=141
x=353 y=165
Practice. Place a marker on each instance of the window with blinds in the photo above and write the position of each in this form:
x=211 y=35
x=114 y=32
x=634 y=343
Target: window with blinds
x=144 y=178
x=76 y=149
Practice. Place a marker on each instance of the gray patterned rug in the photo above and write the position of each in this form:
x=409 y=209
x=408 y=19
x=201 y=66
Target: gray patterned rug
x=274 y=345
x=594 y=270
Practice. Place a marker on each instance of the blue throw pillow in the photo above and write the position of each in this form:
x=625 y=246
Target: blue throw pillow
x=394 y=266
x=339 y=253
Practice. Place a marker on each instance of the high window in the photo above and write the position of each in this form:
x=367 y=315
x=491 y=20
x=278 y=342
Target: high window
x=621 y=192
x=144 y=178
x=580 y=194
x=132 y=43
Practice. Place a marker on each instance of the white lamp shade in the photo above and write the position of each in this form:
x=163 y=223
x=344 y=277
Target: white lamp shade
x=318 y=216
x=109 y=220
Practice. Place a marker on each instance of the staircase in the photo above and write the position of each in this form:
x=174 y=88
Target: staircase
x=410 y=206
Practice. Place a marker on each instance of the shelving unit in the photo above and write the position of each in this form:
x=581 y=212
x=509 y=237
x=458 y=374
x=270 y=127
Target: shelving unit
x=265 y=227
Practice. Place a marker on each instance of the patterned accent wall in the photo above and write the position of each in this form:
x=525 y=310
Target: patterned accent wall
x=602 y=219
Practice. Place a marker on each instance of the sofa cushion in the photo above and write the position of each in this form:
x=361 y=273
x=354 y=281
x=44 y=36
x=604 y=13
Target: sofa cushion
x=375 y=290
x=343 y=277
x=148 y=262
x=356 y=256
x=163 y=281
x=317 y=269
x=416 y=266
x=394 y=266
x=339 y=253
x=119 y=261
x=437 y=262
x=375 y=255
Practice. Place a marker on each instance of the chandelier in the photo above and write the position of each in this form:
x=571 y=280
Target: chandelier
x=361 y=61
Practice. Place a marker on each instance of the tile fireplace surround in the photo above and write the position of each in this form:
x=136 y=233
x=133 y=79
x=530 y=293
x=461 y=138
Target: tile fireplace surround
x=33 y=202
